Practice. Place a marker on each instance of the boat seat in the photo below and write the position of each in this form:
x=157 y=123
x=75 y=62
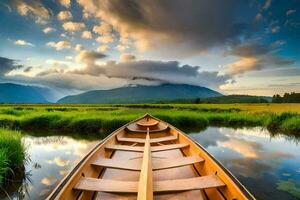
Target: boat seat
x=135 y=165
x=178 y=185
x=141 y=149
x=153 y=140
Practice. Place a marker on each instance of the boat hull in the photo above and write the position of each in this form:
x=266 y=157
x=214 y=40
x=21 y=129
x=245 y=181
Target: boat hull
x=173 y=167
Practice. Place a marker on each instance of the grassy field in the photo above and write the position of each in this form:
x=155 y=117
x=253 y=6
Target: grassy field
x=12 y=154
x=284 y=118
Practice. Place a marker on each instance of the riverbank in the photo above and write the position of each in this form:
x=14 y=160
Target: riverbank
x=12 y=154
x=283 y=118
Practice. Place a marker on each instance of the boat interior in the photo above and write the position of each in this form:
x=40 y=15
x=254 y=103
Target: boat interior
x=149 y=159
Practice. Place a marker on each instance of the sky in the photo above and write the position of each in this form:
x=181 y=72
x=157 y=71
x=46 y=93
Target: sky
x=71 y=46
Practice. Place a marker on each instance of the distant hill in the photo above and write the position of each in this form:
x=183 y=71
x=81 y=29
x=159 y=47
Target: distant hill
x=141 y=94
x=222 y=99
x=237 y=99
x=15 y=93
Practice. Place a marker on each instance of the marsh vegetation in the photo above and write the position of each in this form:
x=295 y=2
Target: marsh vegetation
x=12 y=154
x=102 y=119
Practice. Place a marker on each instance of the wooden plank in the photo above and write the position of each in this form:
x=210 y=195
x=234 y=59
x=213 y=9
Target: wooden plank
x=178 y=162
x=168 y=147
x=179 y=185
x=154 y=140
x=106 y=185
x=135 y=165
x=124 y=148
x=197 y=183
x=132 y=165
x=141 y=149
x=145 y=188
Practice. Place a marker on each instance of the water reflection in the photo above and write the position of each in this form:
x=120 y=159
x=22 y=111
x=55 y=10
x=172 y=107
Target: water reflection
x=259 y=160
x=51 y=158
x=268 y=165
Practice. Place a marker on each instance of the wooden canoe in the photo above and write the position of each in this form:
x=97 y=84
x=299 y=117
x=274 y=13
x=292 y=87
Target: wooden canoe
x=149 y=159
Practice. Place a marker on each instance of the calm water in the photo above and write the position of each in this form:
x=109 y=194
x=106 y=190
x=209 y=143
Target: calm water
x=268 y=166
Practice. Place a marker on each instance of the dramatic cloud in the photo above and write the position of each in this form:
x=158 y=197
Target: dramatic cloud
x=64 y=15
x=48 y=30
x=153 y=71
x=86 y=35
x=127 y=57
x=7 y=65
x=23 y=43
x=200 y=25
x=73 y=26
x=255 y=57
x=32 y=8
x=65 y=3
x=59 y=45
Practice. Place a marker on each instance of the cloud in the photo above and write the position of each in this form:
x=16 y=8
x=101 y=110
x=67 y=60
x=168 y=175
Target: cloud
x=8 y=65
x=273 y=27
x=48 y=30
x=23 y=43
x=68 y=57
x=64 y=15
x=121 y=47
x=59 y=45
x=73 y=26
x=244 y=64
x=89 y=57
x=93 y=75
x=253 y=56
x=48 y=181
x=290 y=12
x=105 y=39
x=33 y=8
x=155 y=72
x=27 y=69
x=267 y=4
x=86 y=35
x=78 y=47
x=103 y=29
x=65 y=3
x=127 y=57
x=103 y=48
x=258 y=17
x=59 y=162
x=190 y=30
x=6 y=5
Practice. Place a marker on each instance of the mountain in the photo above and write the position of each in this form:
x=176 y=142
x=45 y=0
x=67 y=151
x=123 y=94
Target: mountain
x=15 y=93
x=140 y=94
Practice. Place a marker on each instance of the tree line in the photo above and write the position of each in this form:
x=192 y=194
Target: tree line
x=287 y=98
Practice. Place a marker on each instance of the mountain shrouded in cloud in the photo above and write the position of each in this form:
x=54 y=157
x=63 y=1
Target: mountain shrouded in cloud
x=78 y=45
x=141 y=94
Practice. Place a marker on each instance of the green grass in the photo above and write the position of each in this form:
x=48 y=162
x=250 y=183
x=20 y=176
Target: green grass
x=12 y=153
x=88 y=119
